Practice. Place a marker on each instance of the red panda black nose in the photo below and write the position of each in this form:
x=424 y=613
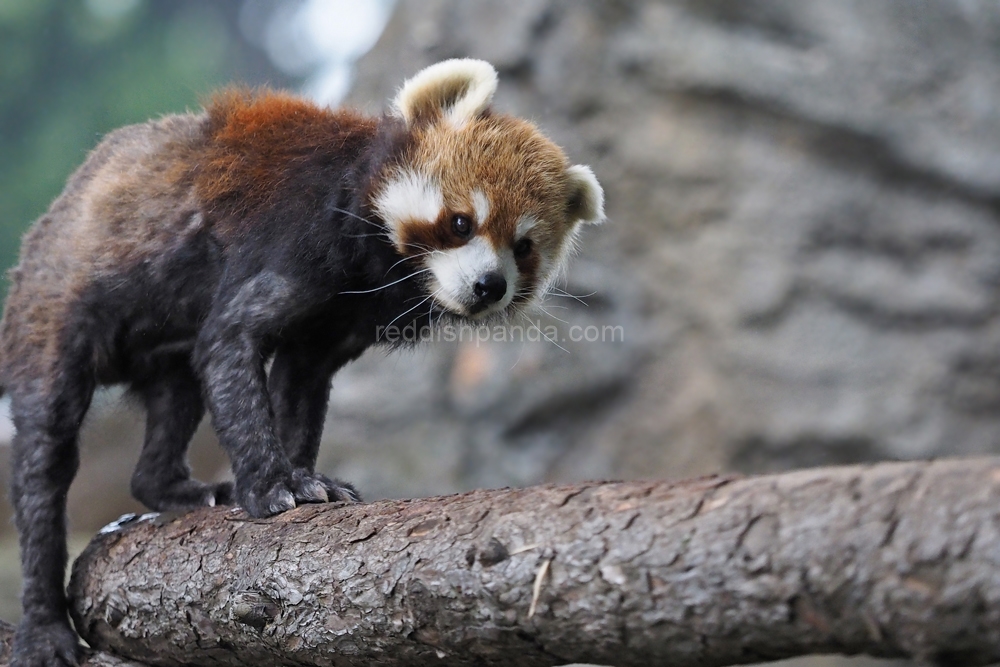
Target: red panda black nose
x=490 y=288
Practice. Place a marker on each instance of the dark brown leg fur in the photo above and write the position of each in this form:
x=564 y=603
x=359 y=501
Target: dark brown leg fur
x=47 y=416
x=299 y=387
x=229 y=355
x=174 y=407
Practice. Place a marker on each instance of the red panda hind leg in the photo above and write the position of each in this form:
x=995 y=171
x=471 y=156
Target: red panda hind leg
x=174 y=408
x=45 y=458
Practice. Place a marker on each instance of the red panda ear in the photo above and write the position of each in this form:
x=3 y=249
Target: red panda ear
x=586 y=197
x=456 y=90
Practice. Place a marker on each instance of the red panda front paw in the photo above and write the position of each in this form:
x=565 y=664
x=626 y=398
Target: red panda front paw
x=296 y=488
x=45 y=645
x=267 y=501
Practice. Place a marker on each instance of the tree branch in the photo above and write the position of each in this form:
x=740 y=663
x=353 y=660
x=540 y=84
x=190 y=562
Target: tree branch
x=91 y=659
x=897 y=559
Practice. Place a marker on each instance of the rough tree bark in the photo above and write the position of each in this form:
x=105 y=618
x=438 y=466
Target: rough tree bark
x=899 y=559
x=92 y=658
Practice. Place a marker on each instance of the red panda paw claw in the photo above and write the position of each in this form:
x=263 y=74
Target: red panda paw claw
x=272 y=500
x=337 y=490
x=314 y=487
x=223 y=494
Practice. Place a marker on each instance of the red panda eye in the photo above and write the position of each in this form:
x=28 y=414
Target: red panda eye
x=522 y=248
x=461 y=225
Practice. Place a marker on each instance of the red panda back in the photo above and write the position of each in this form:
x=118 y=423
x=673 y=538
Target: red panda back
x=258 y=141
x=123 y=205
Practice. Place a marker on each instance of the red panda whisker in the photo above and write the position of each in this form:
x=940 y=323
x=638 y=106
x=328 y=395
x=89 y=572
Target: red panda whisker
x=422 y=248
x=550 y=314
x=543 y=300
x=555 y=291
x=362 y=236
x=394 y=282
x=519 y=354
x=358 y=217
x=441 y=315
x=431 y=251
x=426 y=299
x=544 y=335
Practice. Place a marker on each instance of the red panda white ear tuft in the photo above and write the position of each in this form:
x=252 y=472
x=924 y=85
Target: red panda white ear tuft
x=586 y=197
x=457 y=90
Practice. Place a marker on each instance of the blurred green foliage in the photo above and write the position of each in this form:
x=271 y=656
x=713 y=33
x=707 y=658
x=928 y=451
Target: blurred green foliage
x=71 y=70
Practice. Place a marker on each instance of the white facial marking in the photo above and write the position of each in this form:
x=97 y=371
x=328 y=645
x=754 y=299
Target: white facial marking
x=525 y=224
x=456 y=272
x=481 y=204
x=409 y=197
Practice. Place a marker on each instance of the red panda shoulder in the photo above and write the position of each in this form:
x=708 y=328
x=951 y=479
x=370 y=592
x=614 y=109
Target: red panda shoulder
x=263 y=146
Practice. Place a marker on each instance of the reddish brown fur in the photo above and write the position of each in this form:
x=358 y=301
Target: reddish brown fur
x=527 y=267
x=257 y=139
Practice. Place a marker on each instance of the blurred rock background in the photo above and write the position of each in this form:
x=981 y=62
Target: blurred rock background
x=801 y=266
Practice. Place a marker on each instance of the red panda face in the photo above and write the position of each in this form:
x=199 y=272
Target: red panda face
x=483 y=201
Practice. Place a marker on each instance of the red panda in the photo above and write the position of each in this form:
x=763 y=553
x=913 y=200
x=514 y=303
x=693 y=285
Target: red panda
x=189 y=252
